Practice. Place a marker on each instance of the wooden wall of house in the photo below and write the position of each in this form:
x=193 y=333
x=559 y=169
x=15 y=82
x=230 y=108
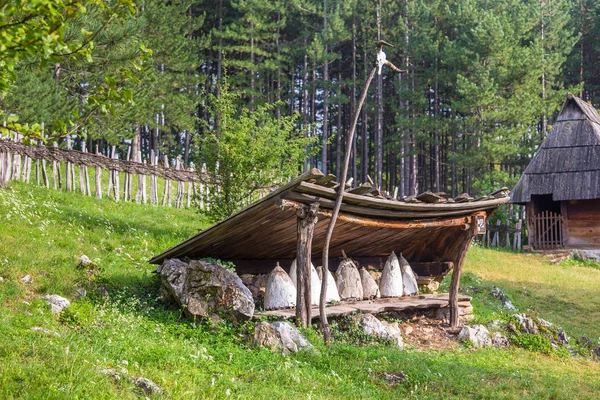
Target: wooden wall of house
x=582 y=223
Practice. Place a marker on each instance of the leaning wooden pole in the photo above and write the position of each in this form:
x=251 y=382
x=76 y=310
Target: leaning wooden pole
x=336 y=210
x=469 y=235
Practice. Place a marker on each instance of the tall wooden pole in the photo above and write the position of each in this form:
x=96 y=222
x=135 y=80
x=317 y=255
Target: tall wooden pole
x=336 y=210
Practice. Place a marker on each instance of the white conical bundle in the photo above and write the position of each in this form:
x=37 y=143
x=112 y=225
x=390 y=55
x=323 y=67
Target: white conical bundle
x=391 y=282
x=370 y=288
x=348 y=281
x=280 y=291
x=409 y=279
x=315 y=282
x=332 y=292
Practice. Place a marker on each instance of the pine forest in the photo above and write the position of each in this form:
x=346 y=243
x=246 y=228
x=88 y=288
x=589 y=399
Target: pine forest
x=481 y=83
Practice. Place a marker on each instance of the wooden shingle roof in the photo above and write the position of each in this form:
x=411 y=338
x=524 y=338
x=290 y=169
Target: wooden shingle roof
x=567 y=165
x=370 y=224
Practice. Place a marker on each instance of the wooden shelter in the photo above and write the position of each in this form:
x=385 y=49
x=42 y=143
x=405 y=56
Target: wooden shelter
x=432 y=233
x=561 y=185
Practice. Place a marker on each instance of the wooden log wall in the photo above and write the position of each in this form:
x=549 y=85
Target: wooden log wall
x=17 y=161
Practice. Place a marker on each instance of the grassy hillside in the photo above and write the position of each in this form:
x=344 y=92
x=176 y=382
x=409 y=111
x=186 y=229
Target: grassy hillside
x=42 y=233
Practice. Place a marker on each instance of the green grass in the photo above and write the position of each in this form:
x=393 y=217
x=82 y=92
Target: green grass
x=42 y=232
x=567 y=294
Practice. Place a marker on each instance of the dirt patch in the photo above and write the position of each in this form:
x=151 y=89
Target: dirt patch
x=428 y=334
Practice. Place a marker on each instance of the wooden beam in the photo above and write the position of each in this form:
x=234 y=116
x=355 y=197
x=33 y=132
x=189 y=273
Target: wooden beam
x=469 y=235
x=306 y=221
x=462 y=222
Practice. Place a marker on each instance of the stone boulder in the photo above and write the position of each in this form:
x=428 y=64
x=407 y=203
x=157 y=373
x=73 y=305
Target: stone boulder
x=370 y=288
x=527 y=324
x=203 y=289
x=57 y=303
x=332 y=292
x=280 y=292
x=478 y=335
x=280 y=336
x=409 y=279
x=506 y=303
x=348 y=281
x=383 y=329
x=593 y=255
x=391 y=283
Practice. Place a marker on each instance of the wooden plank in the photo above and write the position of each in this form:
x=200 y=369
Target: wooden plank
x=349 y=198
x=423 y=302
x=379 y=212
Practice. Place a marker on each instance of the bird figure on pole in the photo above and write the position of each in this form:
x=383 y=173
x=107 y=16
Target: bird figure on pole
x=382 y=58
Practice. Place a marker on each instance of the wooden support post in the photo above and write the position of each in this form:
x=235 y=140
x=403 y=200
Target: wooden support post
x=468 y=237
x=306 y=221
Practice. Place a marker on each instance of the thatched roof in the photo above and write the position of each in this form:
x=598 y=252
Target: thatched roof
x=370 y=224
x=567 y=165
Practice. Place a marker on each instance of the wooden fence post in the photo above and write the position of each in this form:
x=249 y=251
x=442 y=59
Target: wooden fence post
x=166 y=200
x=153 y=181
x=98 y=178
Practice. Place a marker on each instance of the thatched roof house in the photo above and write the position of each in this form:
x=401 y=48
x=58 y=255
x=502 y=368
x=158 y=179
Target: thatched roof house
x=561 y=185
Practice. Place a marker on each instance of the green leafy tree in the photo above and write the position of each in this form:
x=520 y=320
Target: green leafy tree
x=38 y=29
x=249 y=153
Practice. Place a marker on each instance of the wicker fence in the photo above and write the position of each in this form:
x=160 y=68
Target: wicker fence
x=69 y=170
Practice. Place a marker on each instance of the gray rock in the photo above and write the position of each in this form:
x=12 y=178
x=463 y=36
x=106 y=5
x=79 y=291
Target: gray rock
x=280 y=336
x=80 y=293
x=596 y=351
x=593 y=255
x=57 y=303
x=111 y=372
x=1 y=279
x=348 y=281
x=478 y=335
x=146 y=385
x=44 y=330
x=84 y=260
x=562 y=336
x=202 y=288
x=506 y=303
x=499 y=340
x=496 y=324
x=386 y=330
x=27 y=279
x=527 y=324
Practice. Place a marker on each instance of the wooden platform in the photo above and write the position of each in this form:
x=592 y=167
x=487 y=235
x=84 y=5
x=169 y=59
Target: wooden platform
x=422 y=302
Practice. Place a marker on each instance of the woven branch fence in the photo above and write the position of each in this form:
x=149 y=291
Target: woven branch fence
x=52 y=165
